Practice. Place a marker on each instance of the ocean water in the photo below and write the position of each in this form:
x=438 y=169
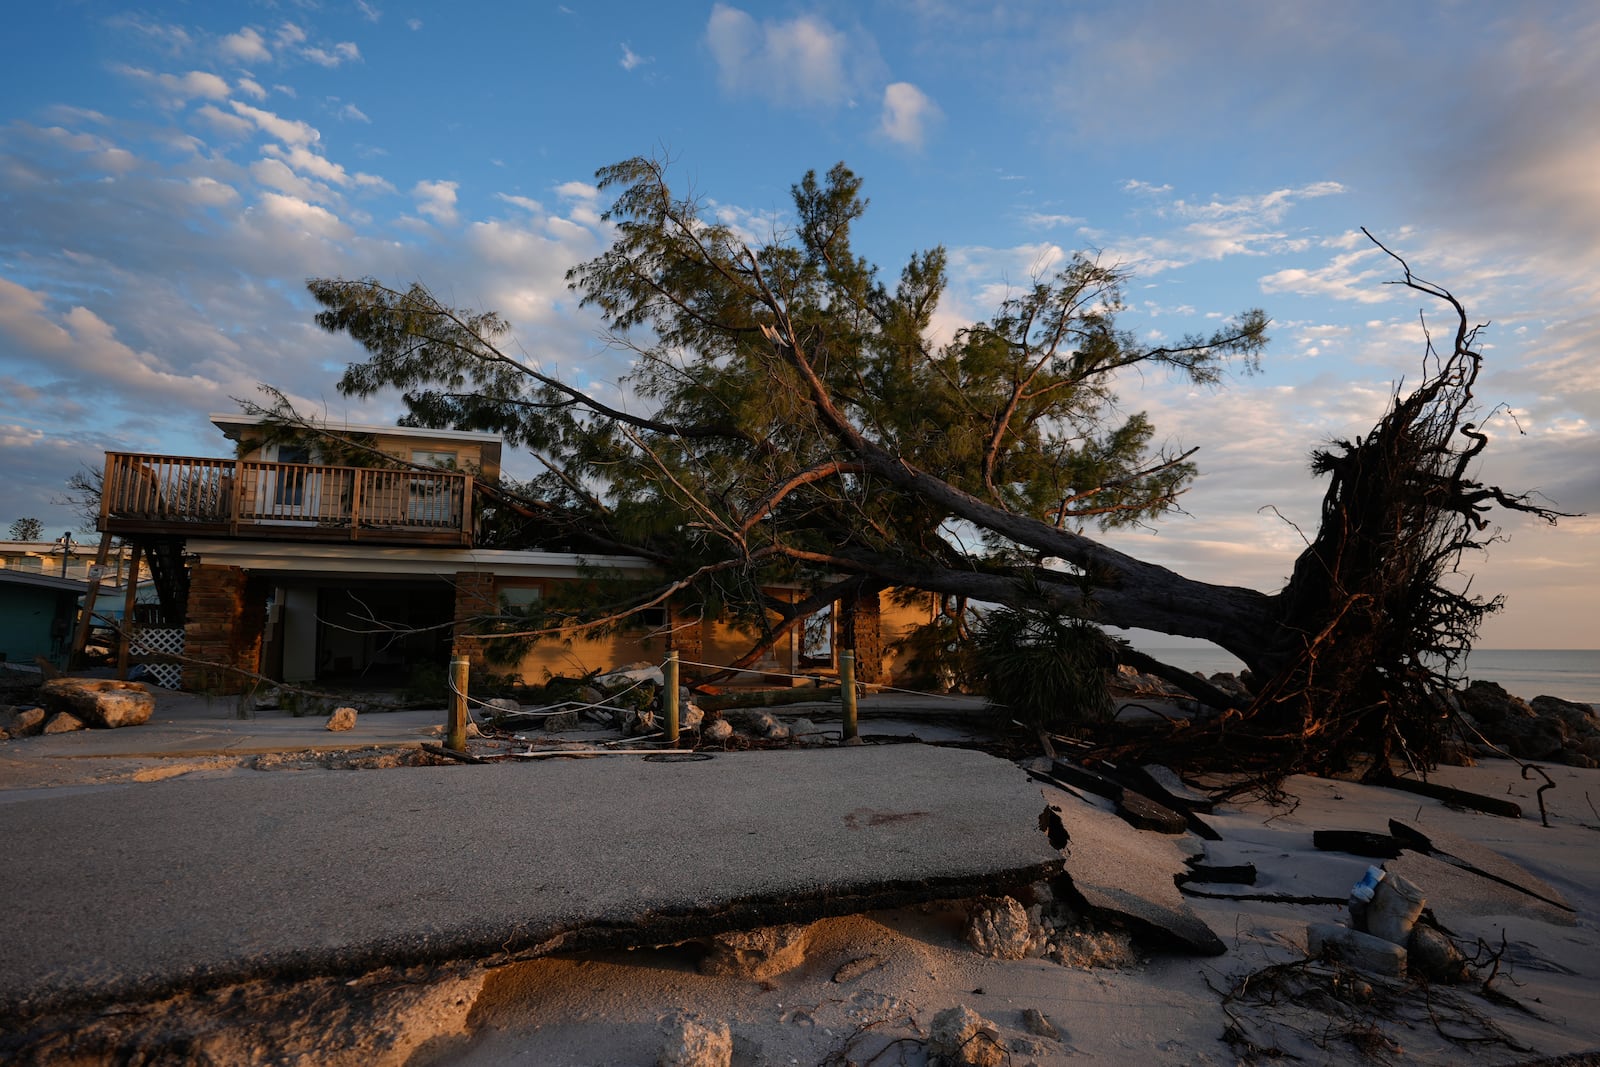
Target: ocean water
x=1571 y=674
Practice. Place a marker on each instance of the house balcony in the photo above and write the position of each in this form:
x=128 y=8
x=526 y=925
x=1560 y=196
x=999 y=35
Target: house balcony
x=180 y=496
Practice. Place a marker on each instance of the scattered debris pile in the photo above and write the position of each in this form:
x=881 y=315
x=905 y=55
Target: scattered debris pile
x=68 y=704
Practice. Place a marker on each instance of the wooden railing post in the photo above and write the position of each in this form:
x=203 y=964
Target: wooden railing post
x=357 y=488
x=847 y=693
x=456 y=732
x=130 y=601
x=669 y=696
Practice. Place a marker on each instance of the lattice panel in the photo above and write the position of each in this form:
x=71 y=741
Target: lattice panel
x=153 y=641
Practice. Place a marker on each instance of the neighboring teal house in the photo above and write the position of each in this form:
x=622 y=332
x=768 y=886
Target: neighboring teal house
x=36 y=615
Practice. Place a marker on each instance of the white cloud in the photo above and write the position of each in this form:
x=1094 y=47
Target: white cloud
x=289 y=35
x=1133 y=185
x=1050 y=222
x=907 y=113
x=251 y=88
x=369 y=10
x=297 y=214
x=437 y=200
x=343 y=52
x=532 y=206
x=246 y=46
x=1340 y=279
x=176 y=89
x=82 y=345
x=630 y=58
x=578 y=191
x=353 y=114
x=800 y=62
x=413 y=24
x=305 y=161
x=275 y=174
x=210 y=192
x=232 y=125
x=289 y=131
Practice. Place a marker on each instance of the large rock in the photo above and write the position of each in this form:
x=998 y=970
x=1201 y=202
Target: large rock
x=342 y=719
x=692 y=1041
x=960 y=1037
x=758 y=954
x=63 y=722
x=100 y=702
x=1000 y=928
x=24 y=722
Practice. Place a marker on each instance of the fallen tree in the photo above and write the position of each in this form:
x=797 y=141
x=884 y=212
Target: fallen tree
x=791 y=417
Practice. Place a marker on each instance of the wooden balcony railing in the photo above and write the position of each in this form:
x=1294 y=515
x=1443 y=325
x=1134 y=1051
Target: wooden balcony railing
x=283 y=501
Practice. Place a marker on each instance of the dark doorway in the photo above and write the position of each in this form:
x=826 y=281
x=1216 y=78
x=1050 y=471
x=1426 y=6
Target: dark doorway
x=378 y=633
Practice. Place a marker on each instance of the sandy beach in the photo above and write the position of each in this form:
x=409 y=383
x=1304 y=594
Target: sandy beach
x=878 y=987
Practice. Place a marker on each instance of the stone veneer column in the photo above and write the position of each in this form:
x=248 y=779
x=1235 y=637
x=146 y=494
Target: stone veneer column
x=861 y=629
x=688 y=636
x=475 y=596
x=224 y=623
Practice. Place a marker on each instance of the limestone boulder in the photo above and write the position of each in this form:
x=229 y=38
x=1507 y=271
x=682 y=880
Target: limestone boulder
x=63 y=722
x=694 y=1041
x=23 y=722
x=757 y=954
x=104 y=703
x=960 y=1037
x=1000 y=929
x=342 y=719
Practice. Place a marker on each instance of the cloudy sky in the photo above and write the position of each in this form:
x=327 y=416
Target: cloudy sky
x=171 y=173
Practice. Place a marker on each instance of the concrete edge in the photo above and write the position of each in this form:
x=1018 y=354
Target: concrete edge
x=500 y=946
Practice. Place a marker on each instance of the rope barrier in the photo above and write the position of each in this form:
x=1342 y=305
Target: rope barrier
x=875 y=686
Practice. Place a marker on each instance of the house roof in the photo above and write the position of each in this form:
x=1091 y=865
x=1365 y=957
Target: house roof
x=232 y=425
x=378 y=561
x=12 y=576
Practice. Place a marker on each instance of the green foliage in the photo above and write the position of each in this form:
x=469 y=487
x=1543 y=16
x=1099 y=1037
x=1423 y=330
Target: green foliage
x=1048 y=670
x=26 y=529
x=795 y=416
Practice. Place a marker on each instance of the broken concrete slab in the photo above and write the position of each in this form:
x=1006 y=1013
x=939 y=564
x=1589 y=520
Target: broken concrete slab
x=328 y=873
x=1165 y=787
x=1454 y=893
x=104 y=703
x=1131 y=875
x=1470 y=856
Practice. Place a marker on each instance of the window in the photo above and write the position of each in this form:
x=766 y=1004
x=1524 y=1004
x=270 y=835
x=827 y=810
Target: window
x=291 y=485
x=425 y=457
x=521 y=598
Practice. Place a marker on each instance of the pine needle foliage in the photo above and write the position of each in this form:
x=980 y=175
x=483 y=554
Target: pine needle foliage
x=1047 y=670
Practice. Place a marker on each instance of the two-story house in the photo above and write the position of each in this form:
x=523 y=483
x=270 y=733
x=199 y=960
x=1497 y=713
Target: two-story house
x=301 y=563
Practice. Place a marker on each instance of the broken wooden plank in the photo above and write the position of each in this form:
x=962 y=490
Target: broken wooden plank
x=1459 y=797
x=1225 y=874
x=1357 y=843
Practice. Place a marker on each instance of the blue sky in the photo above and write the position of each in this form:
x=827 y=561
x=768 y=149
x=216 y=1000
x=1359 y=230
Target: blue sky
x=171 y=173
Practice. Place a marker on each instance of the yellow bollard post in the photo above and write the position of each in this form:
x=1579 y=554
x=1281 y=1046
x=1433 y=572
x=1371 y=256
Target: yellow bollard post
x=847 y=693
x=669 y=696
x=456 y=728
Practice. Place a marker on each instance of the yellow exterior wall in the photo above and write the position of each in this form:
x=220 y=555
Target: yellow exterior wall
x=469 y=454
x=719 y=642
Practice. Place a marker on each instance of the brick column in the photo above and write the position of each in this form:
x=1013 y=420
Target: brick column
x=224 y=623
x=475 y=596
x=861 y=628
x=688 y=635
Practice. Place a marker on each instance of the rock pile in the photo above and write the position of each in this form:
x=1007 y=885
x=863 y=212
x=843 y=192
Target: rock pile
x=68 y=704
x=1546 y=728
